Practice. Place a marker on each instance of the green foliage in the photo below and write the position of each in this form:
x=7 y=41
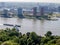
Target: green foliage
x=29 y=41
x=58 y=42
x=9 y=43
x=13 y=37
x=49 y=33
x=33 y=36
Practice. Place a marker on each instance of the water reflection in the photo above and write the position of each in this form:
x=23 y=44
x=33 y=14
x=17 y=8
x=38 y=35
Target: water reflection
x=29 y=25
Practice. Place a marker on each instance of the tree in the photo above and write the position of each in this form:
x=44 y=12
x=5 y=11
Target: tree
x=33 y=35
x=29 y=41
x=48 y=34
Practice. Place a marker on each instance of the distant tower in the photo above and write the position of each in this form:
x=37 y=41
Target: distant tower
x=34 y=11
x=5 y=12
x=20 y=13
x=41 y=11
x=59 y=9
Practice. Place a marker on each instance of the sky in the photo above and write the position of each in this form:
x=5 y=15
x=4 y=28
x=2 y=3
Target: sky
x=48 y=1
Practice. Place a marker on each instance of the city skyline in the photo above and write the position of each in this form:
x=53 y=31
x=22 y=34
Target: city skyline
x=44 y=1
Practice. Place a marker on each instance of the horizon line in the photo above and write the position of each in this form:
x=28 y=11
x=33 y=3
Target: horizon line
x=28 y=2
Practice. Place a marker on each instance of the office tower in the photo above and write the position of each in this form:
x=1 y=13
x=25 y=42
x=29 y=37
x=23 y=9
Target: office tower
x=5 y=12
x=34 y=11
x=20 y=13
x=59 y=9
x=41 y=11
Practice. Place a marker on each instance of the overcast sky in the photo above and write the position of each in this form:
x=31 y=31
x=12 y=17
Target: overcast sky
x=48 y=1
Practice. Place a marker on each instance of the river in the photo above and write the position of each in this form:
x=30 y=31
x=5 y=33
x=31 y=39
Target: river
x=33 y=25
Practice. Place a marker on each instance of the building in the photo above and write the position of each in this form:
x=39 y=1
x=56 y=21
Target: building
x=59 y=9
x=28 y=12
x=13 y=12
x=41 y=11
x=34 y=11
x=20 y=12
x=5 y=12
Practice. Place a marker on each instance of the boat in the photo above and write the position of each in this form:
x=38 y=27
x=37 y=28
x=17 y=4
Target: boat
x=11 y=25
x=14 y=26
x=8 y=24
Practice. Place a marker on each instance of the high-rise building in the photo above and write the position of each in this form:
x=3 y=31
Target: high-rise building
x=20 y=13
x=34 y=11
x=41 y=11
x=5 y=12
x=59 y=9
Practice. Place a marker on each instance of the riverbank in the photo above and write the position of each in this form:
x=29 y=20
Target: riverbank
x=42 y=18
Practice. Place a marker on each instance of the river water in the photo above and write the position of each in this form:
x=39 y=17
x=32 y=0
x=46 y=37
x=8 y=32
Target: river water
x=33 y=25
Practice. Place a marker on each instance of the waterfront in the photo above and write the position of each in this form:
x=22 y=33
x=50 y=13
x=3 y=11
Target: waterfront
x=33 y=25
